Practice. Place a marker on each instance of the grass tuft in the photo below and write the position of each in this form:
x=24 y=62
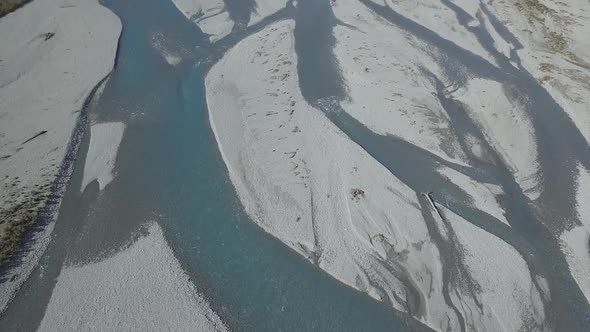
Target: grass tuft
x=534 y=9
x=556 y=42
x=7 y=6
x=16 y=221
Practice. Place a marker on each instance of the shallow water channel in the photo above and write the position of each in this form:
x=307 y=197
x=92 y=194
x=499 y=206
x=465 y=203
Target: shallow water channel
x=169 y=170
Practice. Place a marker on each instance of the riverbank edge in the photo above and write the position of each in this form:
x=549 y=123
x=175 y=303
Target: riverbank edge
x=14 y=8
x=35 y=238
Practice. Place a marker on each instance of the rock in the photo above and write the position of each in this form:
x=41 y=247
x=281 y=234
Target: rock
x=357 y=193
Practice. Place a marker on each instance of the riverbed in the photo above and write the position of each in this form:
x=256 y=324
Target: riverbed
x=168 y=170
x=320 y=165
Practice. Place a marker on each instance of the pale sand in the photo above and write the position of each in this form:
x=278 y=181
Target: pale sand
x=213 y=19
x=102 y=153
x=210 y=15
x=436 y=17
x=265 y=8
x=565 y=75
x=388 y=92
x=294 y=172
x=505 y=124
x=483 y=195
x=583 y=196
x=391 y=95
x=510 y=299
x=575 y=242
x=140 y=288
x=43 y=85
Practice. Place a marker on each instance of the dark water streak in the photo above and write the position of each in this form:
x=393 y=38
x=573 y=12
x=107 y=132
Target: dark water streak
x=560 y=143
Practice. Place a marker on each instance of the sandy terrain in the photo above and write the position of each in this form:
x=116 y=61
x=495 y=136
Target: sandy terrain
x=53 y=54
x=102 y=153
x=142 y=287
x=305 y=182
x=209 y=15
x=476 y=89
x=214 y=18
x=555 y=49
x=575 y=242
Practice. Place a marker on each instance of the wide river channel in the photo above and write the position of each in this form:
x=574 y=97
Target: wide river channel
x=169 y=170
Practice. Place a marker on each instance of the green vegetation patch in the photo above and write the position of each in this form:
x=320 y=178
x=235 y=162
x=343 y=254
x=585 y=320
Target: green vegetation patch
x=17 y=220
x=534 y=9
x=536 y=12
x=6 y=6
x=556 y=42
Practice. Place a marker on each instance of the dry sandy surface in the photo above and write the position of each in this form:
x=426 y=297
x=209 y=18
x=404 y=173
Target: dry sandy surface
x=214 y=19
x=455 y=79
x=105 y=139
x=575 y=241
x=556 y=49
x=53 y=54
x=298 y=176
x=142 y=287
x=460 y=267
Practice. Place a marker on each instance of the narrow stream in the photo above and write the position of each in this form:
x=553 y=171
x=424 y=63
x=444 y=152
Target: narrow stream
x=169 y=170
